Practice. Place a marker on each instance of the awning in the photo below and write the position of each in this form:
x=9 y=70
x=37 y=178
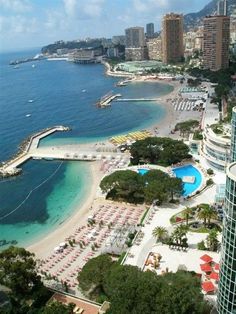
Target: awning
x=206 y=267
x=206 y=258
x=208 y=286
x=214 y=276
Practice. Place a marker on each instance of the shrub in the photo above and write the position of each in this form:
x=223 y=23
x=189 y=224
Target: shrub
x=209 y=182
x=201 y=246
x=210 y=171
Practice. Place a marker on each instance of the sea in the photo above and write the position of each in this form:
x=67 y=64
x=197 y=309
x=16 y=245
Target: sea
x=47 y=193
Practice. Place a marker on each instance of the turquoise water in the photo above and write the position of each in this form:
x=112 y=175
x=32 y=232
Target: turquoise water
x=189 y=170
x=142 y=171
x=181 y=172
x=56 y=89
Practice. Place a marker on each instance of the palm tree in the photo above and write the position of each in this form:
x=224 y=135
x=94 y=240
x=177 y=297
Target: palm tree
x=206 y=214
x=212 y=240
x=187 y=212
x=160 y=233
x=179 y=234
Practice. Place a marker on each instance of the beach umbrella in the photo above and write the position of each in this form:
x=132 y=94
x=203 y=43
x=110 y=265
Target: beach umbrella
x=208 y=286
x=206 y=267
x=206 y=258
x=214 y=276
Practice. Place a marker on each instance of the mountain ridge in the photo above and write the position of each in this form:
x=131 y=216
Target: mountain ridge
x=192 y=20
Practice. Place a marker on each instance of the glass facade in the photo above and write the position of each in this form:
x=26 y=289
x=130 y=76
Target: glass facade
x=233 y=136
x=227 y=285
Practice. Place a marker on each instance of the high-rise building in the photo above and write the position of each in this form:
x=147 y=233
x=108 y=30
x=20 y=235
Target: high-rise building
x=172 y=38
x=150 y=30
x=222 y=7
x=134 y=37
x=135 y=44
x=154 y=47
x=226 y=299
x=216 y=40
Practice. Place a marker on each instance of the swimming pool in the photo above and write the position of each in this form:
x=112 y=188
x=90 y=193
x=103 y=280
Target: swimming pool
x=184 y=171
x=190 y=171
x=142 y=171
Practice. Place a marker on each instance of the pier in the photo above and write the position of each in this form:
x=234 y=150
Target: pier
x=137 y=99
x=10 y=168
x=106 y=100
x=76 y=152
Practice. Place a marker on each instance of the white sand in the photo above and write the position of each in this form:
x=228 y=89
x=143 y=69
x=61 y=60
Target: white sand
x=45 y=246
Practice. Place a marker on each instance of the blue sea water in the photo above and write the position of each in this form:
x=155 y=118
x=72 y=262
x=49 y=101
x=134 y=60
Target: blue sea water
x=56 y=88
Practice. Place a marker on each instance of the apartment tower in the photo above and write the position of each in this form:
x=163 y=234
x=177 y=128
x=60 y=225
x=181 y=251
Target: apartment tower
x=226 y=300
x=134 y=44
x=222 y=7
x=172 y=38
x=150 y=30
x=216 y=40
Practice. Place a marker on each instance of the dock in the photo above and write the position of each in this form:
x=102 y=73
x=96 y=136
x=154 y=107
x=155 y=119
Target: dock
x=10 y=167
x=74 y=152
x=106 y=100
x=137 y=99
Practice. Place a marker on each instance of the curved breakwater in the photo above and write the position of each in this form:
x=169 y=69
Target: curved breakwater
x=62 y=94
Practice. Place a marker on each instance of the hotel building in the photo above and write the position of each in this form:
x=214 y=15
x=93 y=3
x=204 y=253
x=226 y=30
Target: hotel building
x=154 y=47
x=150 y=30
x=172 y=38
x=226 y=301
x=135 y=44
x=216 y=40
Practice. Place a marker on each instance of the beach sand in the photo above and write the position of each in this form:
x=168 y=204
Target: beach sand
x=44 y=247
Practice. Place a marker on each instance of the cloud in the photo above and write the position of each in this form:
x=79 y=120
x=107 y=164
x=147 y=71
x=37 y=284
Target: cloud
x=19 y=6
x=83 y=9
x=150 y=5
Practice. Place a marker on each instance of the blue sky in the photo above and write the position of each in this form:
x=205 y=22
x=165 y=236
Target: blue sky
x=34 y=23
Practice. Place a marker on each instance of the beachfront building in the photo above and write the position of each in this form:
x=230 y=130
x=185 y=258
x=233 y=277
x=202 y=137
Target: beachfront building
x=233 y=136
x=172 y=38
x=226 y=301
x=135 y=44
x=154 y=47
x=216 y=146
x=216 y=42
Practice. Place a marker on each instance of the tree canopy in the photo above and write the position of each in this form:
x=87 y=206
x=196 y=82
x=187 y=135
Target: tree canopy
x=129 y=186
x=132 y=291
x=158 y=150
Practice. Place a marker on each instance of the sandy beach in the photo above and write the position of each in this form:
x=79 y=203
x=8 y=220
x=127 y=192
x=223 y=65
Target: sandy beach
x=45 y=246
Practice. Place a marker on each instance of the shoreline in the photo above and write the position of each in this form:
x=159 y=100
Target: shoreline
x=43 y=247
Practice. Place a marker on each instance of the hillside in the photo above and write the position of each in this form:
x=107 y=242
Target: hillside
x=194 y=19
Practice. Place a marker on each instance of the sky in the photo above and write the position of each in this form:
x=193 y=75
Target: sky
x=35 y=23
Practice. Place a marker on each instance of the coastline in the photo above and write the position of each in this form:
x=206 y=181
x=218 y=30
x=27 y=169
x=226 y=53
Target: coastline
x=44 y=246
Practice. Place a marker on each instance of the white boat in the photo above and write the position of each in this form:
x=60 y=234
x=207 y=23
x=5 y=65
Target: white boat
x=30 y=100
x=28 y=115
x=84 y=90
x=16 y=66
x=33 y=65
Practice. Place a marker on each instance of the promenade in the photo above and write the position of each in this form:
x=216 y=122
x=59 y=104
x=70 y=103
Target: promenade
x=31 y=149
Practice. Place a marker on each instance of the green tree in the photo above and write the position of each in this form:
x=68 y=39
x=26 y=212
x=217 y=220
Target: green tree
x=179 y=235
x=212 y=240
x=92 y=274
x=158 y=150
x=18 y=271
x=174 y=187
x=187 y=213
x=160 y=233
x=57 y=308
x=206 y=213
